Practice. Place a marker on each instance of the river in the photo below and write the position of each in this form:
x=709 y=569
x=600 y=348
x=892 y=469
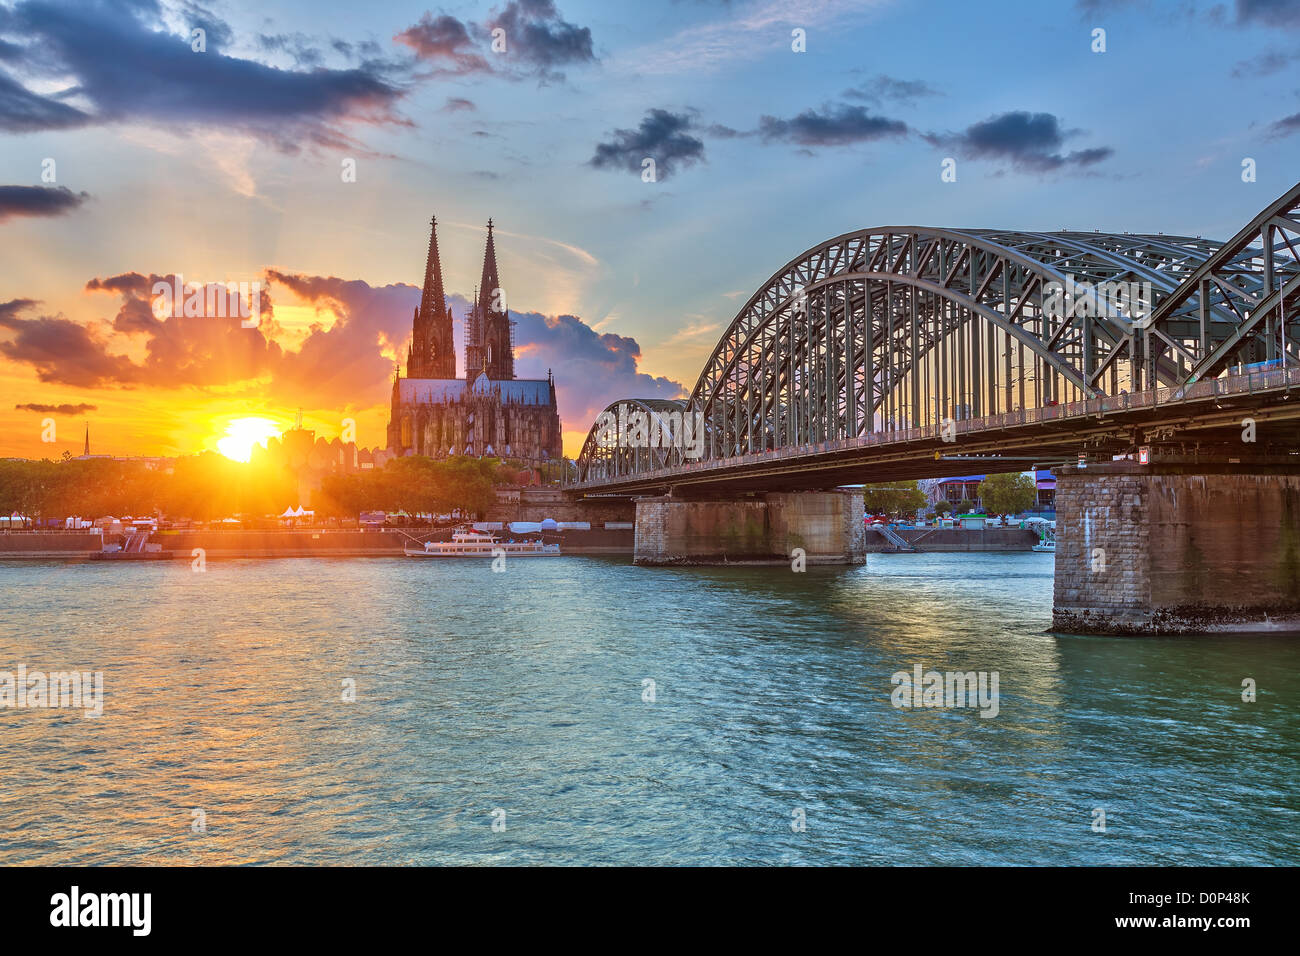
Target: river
x=582 y=710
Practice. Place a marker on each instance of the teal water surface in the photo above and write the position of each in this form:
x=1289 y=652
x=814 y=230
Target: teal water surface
x=225 y=737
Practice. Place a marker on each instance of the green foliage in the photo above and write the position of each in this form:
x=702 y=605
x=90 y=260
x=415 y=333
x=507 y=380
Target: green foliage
x=208 y=486
x=415 y=484
x=1008 y=494
x=893 y=497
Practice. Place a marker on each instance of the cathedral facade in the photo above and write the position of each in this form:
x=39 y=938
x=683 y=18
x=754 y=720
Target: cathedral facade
x=489 y=412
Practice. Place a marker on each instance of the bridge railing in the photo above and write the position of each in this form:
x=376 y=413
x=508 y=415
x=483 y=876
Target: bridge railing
x=1243 y=383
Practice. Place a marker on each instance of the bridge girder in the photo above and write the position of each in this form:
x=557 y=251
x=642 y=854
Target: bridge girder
x=901 y=327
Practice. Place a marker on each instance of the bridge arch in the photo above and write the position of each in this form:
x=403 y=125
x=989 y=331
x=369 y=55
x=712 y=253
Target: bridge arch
x=899 y=327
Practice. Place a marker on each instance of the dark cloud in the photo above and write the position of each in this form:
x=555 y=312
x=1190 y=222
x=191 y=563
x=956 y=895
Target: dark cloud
x=1286 y=126
x=834 y=126
x=22 y=111
x=59 y=349
x=1266 y=64
x=591 y=368
x=537 y=38
x=444 y=42
x=537 y=34
x=124 y=63
x=455 y=104
x=881 y=89
x=38 y=201
x=1031 y=141
x=662 y=136
x=1269 y=13
x=78 y=409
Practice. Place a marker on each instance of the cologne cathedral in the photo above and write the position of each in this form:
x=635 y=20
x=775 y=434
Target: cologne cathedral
x=489 y=412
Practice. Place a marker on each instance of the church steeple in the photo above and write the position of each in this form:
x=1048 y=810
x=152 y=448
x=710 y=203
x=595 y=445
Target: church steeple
x=493 y=345
x=490 y=285
x=432 y=354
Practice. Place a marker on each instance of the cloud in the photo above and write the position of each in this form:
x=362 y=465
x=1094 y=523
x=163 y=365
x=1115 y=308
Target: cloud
x=744 y=34
x=1285 y=126
x=1266 y=64
x=882 y=88
x=457 y=103
x=1031 y=141
x=444 y=42
x=345 y=360
x=1269 y=13
x=592 y=369
x=662 y=136
x=79 y=409
x=61 y=350
x=22 y=111
x=38 y=201
x=833 y=126
x=537 y=34
x=123 y=63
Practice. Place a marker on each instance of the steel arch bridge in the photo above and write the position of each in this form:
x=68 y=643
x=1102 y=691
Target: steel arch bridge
x=894 y=329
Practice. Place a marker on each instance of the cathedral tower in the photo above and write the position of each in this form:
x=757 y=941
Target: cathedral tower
x=489 y=344
x=432 y=353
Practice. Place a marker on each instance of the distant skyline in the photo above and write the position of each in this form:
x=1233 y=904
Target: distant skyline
x=127 y=155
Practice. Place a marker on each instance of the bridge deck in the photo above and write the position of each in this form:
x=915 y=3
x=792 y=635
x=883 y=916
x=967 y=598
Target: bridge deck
x=1209 y=410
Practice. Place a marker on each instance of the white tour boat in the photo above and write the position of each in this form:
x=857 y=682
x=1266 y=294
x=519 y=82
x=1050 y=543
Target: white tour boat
x=480 y=544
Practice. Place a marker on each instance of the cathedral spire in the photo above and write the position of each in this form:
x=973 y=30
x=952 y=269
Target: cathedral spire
x=490 y=284
x=495 y=338
x=433 y=296
x=432 y=354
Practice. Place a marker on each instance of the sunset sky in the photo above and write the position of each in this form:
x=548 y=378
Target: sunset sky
x=126 y=155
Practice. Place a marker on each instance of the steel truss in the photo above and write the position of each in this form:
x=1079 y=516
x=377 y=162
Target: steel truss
x=893 y=328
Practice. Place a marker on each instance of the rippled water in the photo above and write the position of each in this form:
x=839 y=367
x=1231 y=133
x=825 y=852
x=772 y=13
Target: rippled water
x=522 y=691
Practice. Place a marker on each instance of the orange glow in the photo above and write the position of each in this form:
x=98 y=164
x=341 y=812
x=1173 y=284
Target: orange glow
x=242 y=434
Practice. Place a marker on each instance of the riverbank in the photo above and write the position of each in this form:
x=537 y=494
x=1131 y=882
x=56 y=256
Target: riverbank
x=944 y=540
x=289 y=543
x=351 y=543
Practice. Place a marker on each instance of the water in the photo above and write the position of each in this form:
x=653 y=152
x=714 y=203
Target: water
x=522 y=691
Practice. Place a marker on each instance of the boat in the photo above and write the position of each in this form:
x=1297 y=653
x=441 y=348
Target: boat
x=1046 y=543
x=468 y=543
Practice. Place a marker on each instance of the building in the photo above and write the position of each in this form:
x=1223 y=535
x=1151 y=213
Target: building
x=967 y=488
x=309 y=459
x=489 y=412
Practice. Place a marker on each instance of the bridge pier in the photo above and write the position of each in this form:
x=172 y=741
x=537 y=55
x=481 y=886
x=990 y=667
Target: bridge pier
x=1177 y=548
x=764 y=529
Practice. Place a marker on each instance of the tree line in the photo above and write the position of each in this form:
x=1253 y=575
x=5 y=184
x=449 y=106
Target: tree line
x=210 y=486
x=998 y=494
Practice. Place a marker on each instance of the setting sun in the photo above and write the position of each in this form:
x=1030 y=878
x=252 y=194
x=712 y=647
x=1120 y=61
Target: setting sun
x=242 y=434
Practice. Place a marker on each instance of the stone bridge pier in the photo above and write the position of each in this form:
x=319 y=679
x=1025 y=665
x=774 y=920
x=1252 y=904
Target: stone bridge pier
x=762 y=529
x=1177 y=548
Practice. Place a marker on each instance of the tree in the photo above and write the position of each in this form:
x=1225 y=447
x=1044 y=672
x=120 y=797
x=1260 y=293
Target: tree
x=1008 y=494
x=893 y=497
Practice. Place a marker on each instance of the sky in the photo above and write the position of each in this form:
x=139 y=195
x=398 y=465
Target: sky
x=304 y=144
